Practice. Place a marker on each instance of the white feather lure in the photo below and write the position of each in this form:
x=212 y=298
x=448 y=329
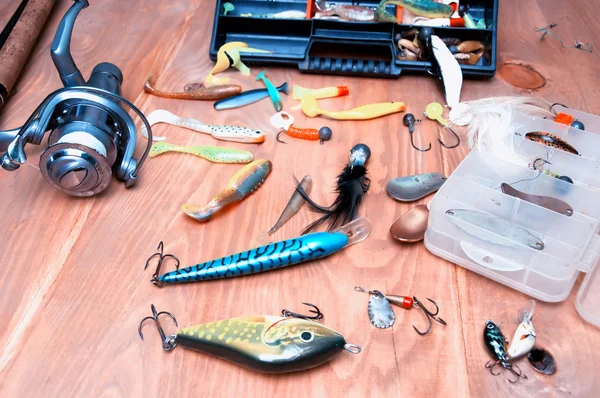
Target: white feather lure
x=450 y=70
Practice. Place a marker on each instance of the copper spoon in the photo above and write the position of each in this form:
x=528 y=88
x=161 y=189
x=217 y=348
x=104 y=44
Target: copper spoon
x=412 y=225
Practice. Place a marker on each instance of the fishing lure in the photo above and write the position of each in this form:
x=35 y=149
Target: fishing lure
x=266 y=258
x=293 y=206
x=202 y=93
x=289 y=14
x=311 y=108
x=247 y=98
x=269 y=344
x=224 y=133
x=323 y=134
x=409 y=121
x=352 y=183
x=299 y=92
x=242 y=184
x=547 y=202
x=228 y=56
x=344 y=11
x=382 y=316
x=414 y=187
x=524 y=338
x=434 y=112
x=214 y=154
x=421 y=8
x=439 y=22
x=551 y=140
x=495 y=343
x=272 y=90
x=228 y=7
x=445 y=67
x=472 y=222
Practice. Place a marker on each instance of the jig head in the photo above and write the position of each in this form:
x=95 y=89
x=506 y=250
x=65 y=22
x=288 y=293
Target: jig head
x=434 y=111
x=409 y=121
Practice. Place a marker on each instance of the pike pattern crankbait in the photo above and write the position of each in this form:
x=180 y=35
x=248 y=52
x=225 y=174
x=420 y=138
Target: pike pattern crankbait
x=421 y=8
x=266 y=258
x=224 y=133
x=202 y=93
x=382 y=316
x=551 y=140
x=242 y=184
x=268 y=344
x=495 y=343
x=215 y=154
x=294 y=204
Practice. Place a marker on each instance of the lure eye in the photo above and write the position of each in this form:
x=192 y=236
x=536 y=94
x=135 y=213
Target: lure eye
x=257 y=132
x=490 y=326
x=306 y=337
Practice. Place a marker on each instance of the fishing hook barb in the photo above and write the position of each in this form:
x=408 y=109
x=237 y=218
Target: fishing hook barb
x=430 y=315
x=282 y=141
x=455 y=135
x=316 y=310
x=161 y=257
x=168 y=342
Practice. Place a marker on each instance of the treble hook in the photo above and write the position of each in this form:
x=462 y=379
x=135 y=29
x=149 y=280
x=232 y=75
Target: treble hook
x=430 y=315
x=279 y=140
x=409 y=121
x=168 y=343
x=319 y=315
x=508 y=366
x=161 y=258
x=455 y=135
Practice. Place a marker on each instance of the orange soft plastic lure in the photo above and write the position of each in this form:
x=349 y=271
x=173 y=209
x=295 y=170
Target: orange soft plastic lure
x=323 y=134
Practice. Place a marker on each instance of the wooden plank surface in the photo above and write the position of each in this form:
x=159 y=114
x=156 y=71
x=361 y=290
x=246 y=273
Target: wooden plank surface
x=72 y=287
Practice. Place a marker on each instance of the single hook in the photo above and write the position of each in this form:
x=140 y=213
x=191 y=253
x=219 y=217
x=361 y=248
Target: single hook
x=430 y=315
x=316 y=310
x=168 y=343
x=455 y=135
x=409 y=121
x=161 y=257
x=282 y=141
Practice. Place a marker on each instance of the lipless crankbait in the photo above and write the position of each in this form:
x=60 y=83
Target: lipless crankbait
x=272 y=90
x=294 y=204
x=224 y=133
x=495 y=342
x=214 y=154
x=422 y=8
x=201 y=93
x=266 y=258
x=382 y=316
x=524 y=338
x=551 y=140
x=268 y=344
x=242 y=184
x=246 y=98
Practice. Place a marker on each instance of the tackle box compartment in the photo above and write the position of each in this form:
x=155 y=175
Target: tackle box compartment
x=341 y=47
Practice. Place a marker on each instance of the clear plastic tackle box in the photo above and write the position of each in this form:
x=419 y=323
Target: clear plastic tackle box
x=571 y=244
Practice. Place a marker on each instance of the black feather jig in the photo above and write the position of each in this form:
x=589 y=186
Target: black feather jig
x=352 y=183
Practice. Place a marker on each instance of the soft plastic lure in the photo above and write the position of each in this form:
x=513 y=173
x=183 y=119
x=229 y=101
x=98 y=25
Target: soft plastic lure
x=299 y=92
x=551 y=140
x=311 y=108
x=294 y=204
x=270 y=257
x=272 y=90
x=246 y=98
x=421 y=8
x=344 y=11
x=289 y=14
x=225 y=133
x=228 y=56
x=268 y=344
x=323 y=134
x=201 y=93
x=495 y=343
x=214 y=154
x=242 y=184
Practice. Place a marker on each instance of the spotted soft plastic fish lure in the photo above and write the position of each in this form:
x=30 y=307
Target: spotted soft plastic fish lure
x=268 y=344
x=551 y=140
x=242 y=184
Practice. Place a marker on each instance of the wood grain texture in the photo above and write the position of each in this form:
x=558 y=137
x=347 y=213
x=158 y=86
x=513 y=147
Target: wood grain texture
x=72 y=287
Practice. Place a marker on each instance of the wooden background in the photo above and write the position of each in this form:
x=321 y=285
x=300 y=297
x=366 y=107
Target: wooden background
x=72 y=287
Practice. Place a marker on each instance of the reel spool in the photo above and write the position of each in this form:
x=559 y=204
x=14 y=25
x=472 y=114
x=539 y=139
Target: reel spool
x=91 y=135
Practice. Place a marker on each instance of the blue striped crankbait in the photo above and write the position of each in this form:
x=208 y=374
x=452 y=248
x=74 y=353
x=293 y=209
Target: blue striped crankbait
x=265 y=258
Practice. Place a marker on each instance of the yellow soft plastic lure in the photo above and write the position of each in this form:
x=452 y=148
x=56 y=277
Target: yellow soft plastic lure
x=227 y=56
x=242 y=184
x=311 y=108
x=216 y=154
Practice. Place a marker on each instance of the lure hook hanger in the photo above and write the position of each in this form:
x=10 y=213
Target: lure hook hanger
x=315 y=310
x=168 y=342
x=430 y=315
x=508 y=366
x=161 y=257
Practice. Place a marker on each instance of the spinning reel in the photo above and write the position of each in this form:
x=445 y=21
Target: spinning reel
x=91 y=135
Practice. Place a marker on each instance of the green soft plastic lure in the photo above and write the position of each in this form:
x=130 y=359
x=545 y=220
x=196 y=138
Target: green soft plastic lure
x=421 y=8
x=272 y=90
x=268 y=344
x=214 y=154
